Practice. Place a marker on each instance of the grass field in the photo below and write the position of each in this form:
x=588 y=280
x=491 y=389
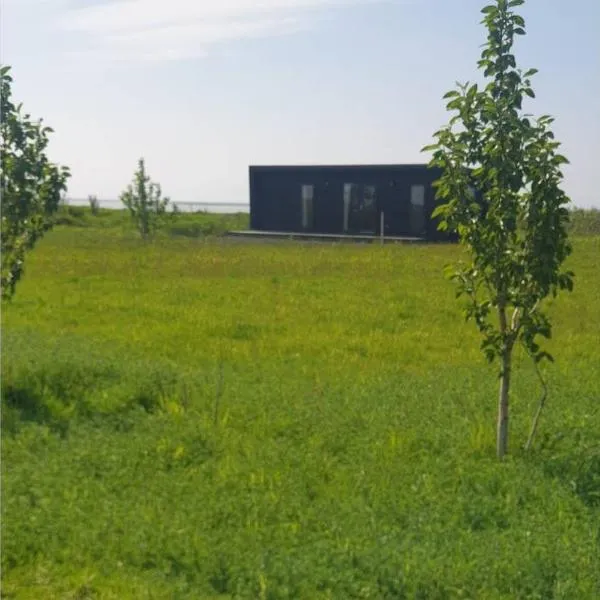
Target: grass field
x=197 y=418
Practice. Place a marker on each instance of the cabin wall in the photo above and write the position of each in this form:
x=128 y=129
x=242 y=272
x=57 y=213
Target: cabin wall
x=344 y=199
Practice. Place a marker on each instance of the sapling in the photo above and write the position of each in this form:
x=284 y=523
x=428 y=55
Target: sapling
x=94 y=205
x=500 y=190
x=143 y=198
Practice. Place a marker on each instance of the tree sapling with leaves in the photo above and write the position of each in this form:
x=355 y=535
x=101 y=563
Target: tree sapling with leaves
x=31 y=185
x=516 y=231
x=145 y=203
x=94 y=205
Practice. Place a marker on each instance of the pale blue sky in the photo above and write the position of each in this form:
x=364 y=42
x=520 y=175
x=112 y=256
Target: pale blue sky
x=203 y=88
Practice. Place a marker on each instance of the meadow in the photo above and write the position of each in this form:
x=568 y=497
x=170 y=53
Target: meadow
x=197 y=417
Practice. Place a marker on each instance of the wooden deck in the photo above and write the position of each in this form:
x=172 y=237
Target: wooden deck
x=323 y=237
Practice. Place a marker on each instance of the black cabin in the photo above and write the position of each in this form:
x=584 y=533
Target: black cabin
x=345 y=200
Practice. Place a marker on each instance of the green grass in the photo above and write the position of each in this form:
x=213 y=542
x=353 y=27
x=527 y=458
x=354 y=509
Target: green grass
x=584 y=222
x=203 y=418
x=183 y=224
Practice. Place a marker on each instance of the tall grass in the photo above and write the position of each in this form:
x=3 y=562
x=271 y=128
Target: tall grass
x=351 y=455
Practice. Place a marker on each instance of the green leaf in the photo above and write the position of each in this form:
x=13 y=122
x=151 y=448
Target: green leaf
x=451 y=94
x=543 y=355
x=514 y=3
x=490 y=354
x=545 y=120
x=455 y=104
x=449 y=271
x=439 y=211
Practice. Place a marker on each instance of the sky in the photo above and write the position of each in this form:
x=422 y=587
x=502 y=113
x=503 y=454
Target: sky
x=204 y=88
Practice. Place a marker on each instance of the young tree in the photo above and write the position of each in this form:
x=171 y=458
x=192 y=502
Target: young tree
x=144 y=201
x=31 y=185
x=94 y=205
x=515 y=226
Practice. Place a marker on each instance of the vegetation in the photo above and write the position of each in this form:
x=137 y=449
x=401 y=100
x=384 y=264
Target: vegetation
x=188 y=225
x=584 y=221
x=188 y=415
x=31 y=185
x=352 y=454
x=143 y=199
x=94 y=205
x=516 y=236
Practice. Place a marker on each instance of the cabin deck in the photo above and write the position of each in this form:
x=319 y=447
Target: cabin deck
x=324 y=237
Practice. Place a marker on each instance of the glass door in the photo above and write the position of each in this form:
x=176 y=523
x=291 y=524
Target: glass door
x=360 y=209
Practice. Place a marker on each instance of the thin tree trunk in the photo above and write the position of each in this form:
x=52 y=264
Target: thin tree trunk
x=538 y=413
x=502 y=430
x=502 y=425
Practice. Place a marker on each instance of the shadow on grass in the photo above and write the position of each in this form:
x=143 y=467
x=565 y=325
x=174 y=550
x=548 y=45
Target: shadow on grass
x=22 y=404
x=58 y=396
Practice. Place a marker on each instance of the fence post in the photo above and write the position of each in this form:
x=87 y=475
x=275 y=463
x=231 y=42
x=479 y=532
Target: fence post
x=381 y=225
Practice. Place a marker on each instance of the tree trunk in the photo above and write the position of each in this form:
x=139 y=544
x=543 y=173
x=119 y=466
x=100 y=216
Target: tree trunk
x=502 y=426
x=502 y=431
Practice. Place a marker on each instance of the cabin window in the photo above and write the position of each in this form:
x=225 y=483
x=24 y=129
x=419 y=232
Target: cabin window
x=349 y=193
x=308 y=194
x=417 y=209
x=417 y=195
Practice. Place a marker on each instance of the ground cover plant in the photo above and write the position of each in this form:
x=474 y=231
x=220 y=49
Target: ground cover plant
x=210 y=418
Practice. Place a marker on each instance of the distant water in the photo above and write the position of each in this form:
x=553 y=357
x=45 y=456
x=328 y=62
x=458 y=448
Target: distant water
x=213 y=207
